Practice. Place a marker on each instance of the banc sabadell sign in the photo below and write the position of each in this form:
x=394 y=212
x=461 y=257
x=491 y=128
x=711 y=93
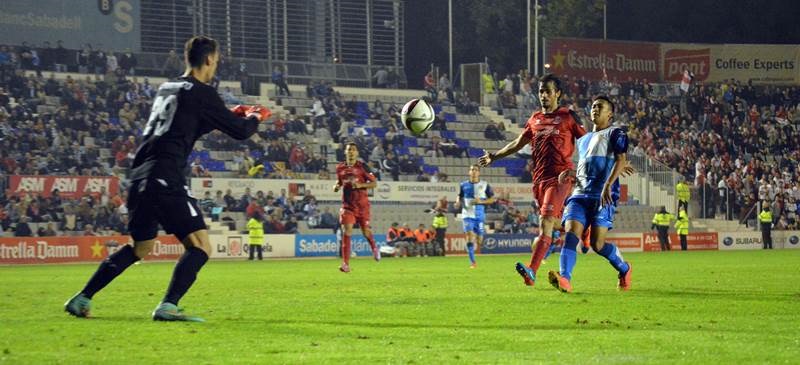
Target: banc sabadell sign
x=310 y=245
x=106 y=24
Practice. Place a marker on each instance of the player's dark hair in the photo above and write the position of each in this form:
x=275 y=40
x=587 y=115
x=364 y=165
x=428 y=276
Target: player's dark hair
x=475 y=166
x=351 y=144
x=607 y=100
x=551 y=78
x=197 y=49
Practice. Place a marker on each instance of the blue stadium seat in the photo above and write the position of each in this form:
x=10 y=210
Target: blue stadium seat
x=448 y=134
x=437 y=108
x=449 y=117
x=410 y=142
x=477 y=152
x=463 y=143
x=430 y=170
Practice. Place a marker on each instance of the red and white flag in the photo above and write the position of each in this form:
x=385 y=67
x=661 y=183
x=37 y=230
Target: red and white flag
x=686 y=81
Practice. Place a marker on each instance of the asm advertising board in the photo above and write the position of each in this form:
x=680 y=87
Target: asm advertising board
x=70 y=187
x=48 y=250
x=694 y=241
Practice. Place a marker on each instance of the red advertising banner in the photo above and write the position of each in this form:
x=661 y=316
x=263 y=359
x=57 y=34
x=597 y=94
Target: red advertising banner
x=50 y=250
x=590 y=58
x=456 y=243
x=70 y=187
x=694 y=241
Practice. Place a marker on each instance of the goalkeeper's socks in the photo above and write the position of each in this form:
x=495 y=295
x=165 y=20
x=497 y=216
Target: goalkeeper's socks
x=346 y=249
x=614 y=257
x=109 y=269
x=568 y=255
x=185 y=274
x=471 y=252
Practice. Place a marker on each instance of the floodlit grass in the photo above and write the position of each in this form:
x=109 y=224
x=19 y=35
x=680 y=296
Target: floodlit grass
x=695 y=307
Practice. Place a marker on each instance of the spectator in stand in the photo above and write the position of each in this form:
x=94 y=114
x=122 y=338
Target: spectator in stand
x=409 y=166
x=438 y=122
x=172 y=65
x=198 y=170
x=429 y=84
x=446 y=87
x=229 y=98
x=391 y=165
x=381 y=78
x=278 y=78
x=23 y=229
x=492 y=133
x=128 y=63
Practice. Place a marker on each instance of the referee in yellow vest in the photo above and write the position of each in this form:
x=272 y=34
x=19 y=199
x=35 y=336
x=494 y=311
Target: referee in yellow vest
x=255 y=228
x=682 y=226
x=682 y=189
x=440 y=225
x=765 y=218
x=661 y=222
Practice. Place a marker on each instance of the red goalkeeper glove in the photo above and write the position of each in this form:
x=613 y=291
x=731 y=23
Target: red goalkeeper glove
x=240 y=110
x=261 y=112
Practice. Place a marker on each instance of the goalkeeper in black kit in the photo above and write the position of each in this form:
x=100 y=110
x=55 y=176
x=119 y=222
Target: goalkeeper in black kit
x=183 y=111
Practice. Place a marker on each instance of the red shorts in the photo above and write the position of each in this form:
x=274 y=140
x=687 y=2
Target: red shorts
x=347 y=216
x=550 y=196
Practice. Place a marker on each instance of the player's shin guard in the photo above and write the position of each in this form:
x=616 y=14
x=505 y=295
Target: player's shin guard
x=542 y=246
x=185 y=274
x=569 y=255
x=614 y=257
x=109 y=269
x=346 y=249
x=471 y=252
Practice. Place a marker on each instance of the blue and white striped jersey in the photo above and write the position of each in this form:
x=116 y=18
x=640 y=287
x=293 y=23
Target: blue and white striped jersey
x=596 y=157
x=470 y=191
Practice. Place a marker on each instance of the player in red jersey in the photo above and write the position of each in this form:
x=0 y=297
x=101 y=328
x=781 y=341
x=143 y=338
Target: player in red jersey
x=354 y=178
x=551 y=133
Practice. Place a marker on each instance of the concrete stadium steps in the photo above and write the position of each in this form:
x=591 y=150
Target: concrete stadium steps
x=721 y=225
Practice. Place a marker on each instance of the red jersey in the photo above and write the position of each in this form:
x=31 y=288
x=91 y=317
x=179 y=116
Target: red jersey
x=354 y=199
x=552 y=138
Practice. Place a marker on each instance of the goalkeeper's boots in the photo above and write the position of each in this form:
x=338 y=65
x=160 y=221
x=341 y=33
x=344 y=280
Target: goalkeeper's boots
x=527 y=274
x=171 y=313
x=559 y=282
x=78 y=306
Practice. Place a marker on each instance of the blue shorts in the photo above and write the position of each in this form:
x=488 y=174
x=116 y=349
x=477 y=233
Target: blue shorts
x=473 y=225
x=588 y=212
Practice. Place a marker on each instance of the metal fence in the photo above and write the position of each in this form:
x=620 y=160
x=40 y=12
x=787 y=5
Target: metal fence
x=343 y=41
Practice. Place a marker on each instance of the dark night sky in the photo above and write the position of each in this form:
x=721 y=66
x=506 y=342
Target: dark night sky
x=700 y=21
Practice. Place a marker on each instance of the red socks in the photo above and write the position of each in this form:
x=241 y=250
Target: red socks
x=542 y=245
x=346 y=249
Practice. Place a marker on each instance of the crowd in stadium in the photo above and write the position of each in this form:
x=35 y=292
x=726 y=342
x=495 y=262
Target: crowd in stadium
x=736 y=141
x=756 y=160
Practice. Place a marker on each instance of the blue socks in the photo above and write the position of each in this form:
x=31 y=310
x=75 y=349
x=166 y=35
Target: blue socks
x=471 y=252
x=569 y=255
x=614 y=257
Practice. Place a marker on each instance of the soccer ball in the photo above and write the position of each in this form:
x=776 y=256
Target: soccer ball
x=417 y=116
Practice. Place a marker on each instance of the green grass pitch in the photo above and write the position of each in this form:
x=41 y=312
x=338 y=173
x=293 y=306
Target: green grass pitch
x=695 y=307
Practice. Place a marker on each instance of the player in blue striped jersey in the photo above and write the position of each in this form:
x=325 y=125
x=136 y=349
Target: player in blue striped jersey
x=601 y=161
x=473 y=195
